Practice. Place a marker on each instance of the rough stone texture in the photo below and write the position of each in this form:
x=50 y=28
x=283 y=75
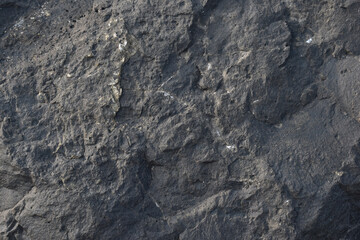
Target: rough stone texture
x=186 y=119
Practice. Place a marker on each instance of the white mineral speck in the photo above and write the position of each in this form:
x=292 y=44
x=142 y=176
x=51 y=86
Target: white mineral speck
x=309 y=40
x=122 y=45
x=19 y=23
x=231 y=147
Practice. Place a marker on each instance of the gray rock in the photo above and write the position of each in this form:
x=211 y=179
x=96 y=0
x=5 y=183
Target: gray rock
x=187 y=119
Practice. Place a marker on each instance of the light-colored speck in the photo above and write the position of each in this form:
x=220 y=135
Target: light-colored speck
x=19 y=23
x=122 y=45
x=231 y=147
x=309 y=40
x=339 y=173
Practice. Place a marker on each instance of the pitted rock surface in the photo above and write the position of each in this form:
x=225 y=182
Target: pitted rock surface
x=184 y=119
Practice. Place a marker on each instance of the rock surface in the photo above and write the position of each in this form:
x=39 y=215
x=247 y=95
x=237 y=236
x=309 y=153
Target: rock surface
x=186 y=119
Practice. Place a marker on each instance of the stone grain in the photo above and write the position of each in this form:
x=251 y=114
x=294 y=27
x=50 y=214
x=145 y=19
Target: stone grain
x=186 y=119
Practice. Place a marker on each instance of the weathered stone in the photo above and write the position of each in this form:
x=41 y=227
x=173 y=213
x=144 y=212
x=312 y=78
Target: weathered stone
x=186 y=119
